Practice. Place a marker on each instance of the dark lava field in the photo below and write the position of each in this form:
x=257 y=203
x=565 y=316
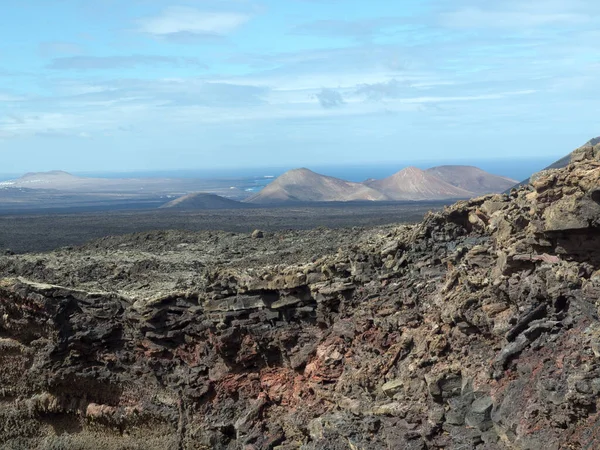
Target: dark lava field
x=35 y=232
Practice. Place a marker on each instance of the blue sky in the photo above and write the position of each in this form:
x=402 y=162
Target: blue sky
x=118 y=85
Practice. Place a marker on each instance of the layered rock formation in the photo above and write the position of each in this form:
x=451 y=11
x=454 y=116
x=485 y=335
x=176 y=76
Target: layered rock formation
x=476 y=329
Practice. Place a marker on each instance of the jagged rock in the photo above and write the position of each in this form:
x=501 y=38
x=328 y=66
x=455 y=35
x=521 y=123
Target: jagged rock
x=392 y=387
x=479 y=415
x=258 y=234
x=477 y=328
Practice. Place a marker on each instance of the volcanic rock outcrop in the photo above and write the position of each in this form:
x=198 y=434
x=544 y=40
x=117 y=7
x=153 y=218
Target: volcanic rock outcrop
x=475 y=329
x=558 y=164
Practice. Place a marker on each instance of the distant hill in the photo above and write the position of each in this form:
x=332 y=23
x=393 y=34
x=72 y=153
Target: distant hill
x=304 y=185
x=55 y=179
x=62 y=181
x=116 y=187
x=49 y=176
x=202 y=200
x=472 y=179
x=416 y=184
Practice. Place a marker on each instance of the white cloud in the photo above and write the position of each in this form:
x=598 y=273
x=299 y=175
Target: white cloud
x=135 y=104
x=182 y=20
x=466 y=98
x=481 y=18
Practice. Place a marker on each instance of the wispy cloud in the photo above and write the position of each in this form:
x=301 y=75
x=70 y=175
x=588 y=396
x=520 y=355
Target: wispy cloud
x=47 y=49
x=521 y=15
x=189 y=21
x=378 y=91
x=43 y=124
x=120 y=62
x=486 y=19
x=329 y=98
x=466 y=98
x=15 y=118
x=111 y=106
x=350 y=28
x=8 y=98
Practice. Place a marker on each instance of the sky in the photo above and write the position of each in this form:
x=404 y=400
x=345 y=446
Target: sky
x=124 y=85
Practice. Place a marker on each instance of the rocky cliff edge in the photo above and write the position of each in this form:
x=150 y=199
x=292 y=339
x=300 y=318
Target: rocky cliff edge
x=476 y=329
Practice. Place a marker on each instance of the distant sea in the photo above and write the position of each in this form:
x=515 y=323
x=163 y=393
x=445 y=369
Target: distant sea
x=253 y=179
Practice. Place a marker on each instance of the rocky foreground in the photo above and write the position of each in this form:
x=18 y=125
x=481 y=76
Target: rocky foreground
x=476 y=329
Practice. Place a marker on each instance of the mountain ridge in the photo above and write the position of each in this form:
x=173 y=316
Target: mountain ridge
x=410 y=183
x=472 y=179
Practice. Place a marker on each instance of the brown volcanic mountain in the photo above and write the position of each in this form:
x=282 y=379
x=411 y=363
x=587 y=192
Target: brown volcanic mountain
x=304 y=185
x=416 y=184
x=438 y=183
x=472 y=179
